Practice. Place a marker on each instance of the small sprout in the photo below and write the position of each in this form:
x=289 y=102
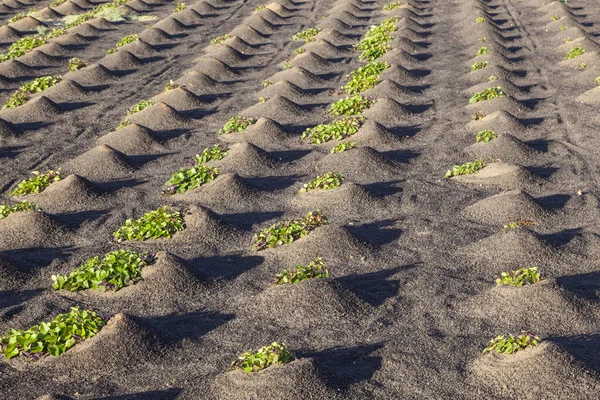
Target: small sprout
x=478 y=115
x=262 y=99
x=286 y=232
x=123 y=124
x=493 y=78
x=365 y=77
x=125 y=41
x=482 y=39
x=392 y=6
x=479 y=65
x=343 y=146
x=353 y=105
x=300 y=273
x=215 y=153
x=160 y=223
x=140 y=106
x=36 y=184
x=190 y=178
x=327 y=181
x=308 y=35
x=555 y=17
x=337 y=130
x=299 y=50
x=76 y=64
x=574 y=52
x=263 y=358
x=517 y=224
x=485 y=136
x=567 y=40
x=171 y=85
x=57 y=3
x=510 y=345
x=480 y=20
x=487 y=94
x=562 y=28
x=180 y=7
x=520 y=277
x=482 y=50
x=286 y=65
x=267 y=83
x=17 y=17
x=7 y=209
x=597 y=81
x=582 y=67
x=220 y=39
x=466 y=168
x=260 y=8
x=237 y=124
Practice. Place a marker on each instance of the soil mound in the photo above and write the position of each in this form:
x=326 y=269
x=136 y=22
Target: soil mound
x=102 y=163
x=500 y=174
x=505 y=207
x=29 y=229
x=360 y=165
x=246 y=159
x=278 y=108
x=265 y=133
x=505 y=147
x=134 y=139
x=73 y=193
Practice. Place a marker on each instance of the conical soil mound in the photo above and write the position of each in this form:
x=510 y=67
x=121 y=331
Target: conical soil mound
x=388 y=88
x=204 y=8
x=200 y=83
x=388 y=110
x=8 y=34
x=260 y=24
x=134 y=139
x=70 y=39
x=360 y=165
x=248 y=34
x=159 y=117
x=7 y=130
x=36 y=109
x=265 y=133
x=23 y=230
x=205 y=229
x=498 y=121
x=227 y=54
x=94 y=74
x=374 y=134
x=333 y=36
x=102 y=163
x=179 y=98
x=13 y=272
x=299 y=77
x=72 y=193
x=311 y=62
x=285 y=89
x=505 y=207
x=591 y=97
x=246 y=159
x=278 y=108
x=399 y=57
x=15 y=69
x=239 y=44
x=337 y=25
x=325 y=49
x=170 y=25
x=506 y=103
x=65 y=90
x=27 y=24
x=121 y=60
x=505 y=147
x=154 y=36
x=39 y=58
x=499 y=174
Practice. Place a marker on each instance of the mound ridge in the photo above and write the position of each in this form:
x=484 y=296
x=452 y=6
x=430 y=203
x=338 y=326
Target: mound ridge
x=247 y=159
x=73 y=193
x=285 y=89
x=179 y=98
x=500 y=174
x=498 y=121
x=159 y=116
x=36 y=109
x=359 y=165
x=205 y=229
x=30 y=229
x=102 y=163
x=299 y=77
x=505 y=146
x=265 y=133
x=505 y=207
x=388 y=110
x=134 y=139
x=277 y=108
x=388 y=88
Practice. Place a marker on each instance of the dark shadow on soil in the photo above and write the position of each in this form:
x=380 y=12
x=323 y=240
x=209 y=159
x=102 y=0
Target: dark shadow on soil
x=193 y=325
x=383 y=188
x=228 y=267
x=376 y=233
x=561 y=238
x=248 y=220
x=554 y=202
x=169 y=394
x=584 y=285
x=583 y=347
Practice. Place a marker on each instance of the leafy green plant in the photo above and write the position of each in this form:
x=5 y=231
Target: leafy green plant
x=482 y=39
x=260 y=8
x=555 y=17
x=518 y=224
x=479 y=65
x=215 y=153
x=353 y=105
x=597 y=81
x=315 y=269
x=485 y=136
x=562 y=28
x=54 y=337
x=163 y=222
x=262 y=100
x=520 y=277
x=171 y=85
x=478 y=115
x=286 y=232
x=17 y=17
x=17 y=99
x=581 y=67
x=567 y=40
x=365 y=77
x=180 y=7
x=57 y=3
x=267 y=82
x=263 y=358
x=7 y=209
x=493 y=78
x=392 y=6
x=329 y=180
x=236 y=124
x=375 y=42
x=189 y=178
x=286 y=65
x=37 y=183
x=343 y=146
x=487 y=94
x=123 y=124
x=336 y=130
x=466 y=168
x=116 y=270
x=134 y=109
x=480 y=20
x=220 y=39
x=575 y=52
x=77 y=63
x=308 y=35
x=482 y=50
x=125 y=41
x=511 y=344
x=23 y=46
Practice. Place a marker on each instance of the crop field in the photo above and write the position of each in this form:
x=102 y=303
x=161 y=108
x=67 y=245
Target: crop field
x=302 y=199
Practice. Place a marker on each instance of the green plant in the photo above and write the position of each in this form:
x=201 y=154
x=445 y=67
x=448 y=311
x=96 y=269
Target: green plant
x=77 y=63
x=116 y=270
x=375 y=42
x=487 y=94
x=37 y=184
x=125 y=41
x=482 y=39
x=478 y=115
x=215 y=153
x=286 y=65
x=163 y=222
x=480 y=20
x=482 y=50
x=17 y=17
x=567 y=40
x=353 y=105
x=262 y=100
x=365 y=77
x=23 y=46
x=237 y=124
x=520 y=277
x=555 y=17
x=220 y=39
x=597 y=81
x=343 y=146
x=336 y=130
x=392 y=6
x=286 y=232
x=581 y=67
x=466 y=168
x=123 y=124
x=260 y=8
x=574 y=52
x=7 y=209
x=485 y=136
x=299 y=50
x=267 y=82
x=180 y=7
x=189 y=178
x=518 y=224
x=171 y=85
x=140 y=106
x=308 y=34
x=510 y=345
x=562 y=28
x=479 y=65
x=55 y=33
x=329 y=180
x=315 y=269
x=54 y=337
x=264 y=357
x=57 y=3
x=17 y=99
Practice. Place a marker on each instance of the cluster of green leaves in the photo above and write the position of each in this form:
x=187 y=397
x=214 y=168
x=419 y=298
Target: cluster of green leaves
x=236 y=124
x=17 y=17
x=37 y=183
x=467 y=168
x=487 y=94
x=7 y=209
x=375 y=42
x=132 y=110
x=352 y=105
x=116 y=270
x=220 y=39
x=315 y=269
x=215 y=153
x=57 y=3
x=478 y=115
x=574 y=52
x=479 y=65
x=23 y=46
x=480 y=20
x=308 y=34
x=520 y=277
x=511 y=344
x=485 y=136
x=482 y=39
x=37 y=85
x=555 y=17
x=493 y=78
x=101 y=10
x=365 y=77
x=125 y=41
x=343 y=146
x=267 y=83
x=54 y=337
x=329 y=180
x=518 y=224
x=286 y=232
x=77 y=63
x=562 y=28
x=171 y=85
x=581 y=67
x=260 y=8
x=392 y=6
x=264 y=357
x=567 y=40
x=336 y=130
x=180 y=7
x=163 y=222
x=482 y=50
x=190 y=178
x=597 y=81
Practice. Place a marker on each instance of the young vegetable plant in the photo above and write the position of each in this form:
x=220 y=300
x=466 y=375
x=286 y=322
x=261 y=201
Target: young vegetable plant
x=134 y=109
x=315 y=269
x=511 y=344
x=160 y=223
x=125 y=41
x=392 y=6
x=482 y=50
x=236 y=124
x=329 y=180
x=77 y=63
x=520 y=277
x=482 y=39
x=466 y=168
x=116 y=270
x=267 y=83
x=263 y=358
x=478 y=115
x=7 y=209
x=375 y=42
x=581 y=67
x=37 y=85
x=343 y=146
x=260 y=8
x=365 y=77
x=215 y=153
x=54 y=337
x=286 y=232
x=487 y=94
x=480 y=20
x=171 y=85
x=337 y=130
x=518 y=224
x=57 y=3
x=180 y=7
x=220 y=39
x=479 y=65
x=575 y=52
x=493 y=78
x=353 y=105
x=485 y=136
x=23 y=46
x=17 y=17
x=37 y=183
x=189 y=178
x=555 y=17
x=308 y=35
